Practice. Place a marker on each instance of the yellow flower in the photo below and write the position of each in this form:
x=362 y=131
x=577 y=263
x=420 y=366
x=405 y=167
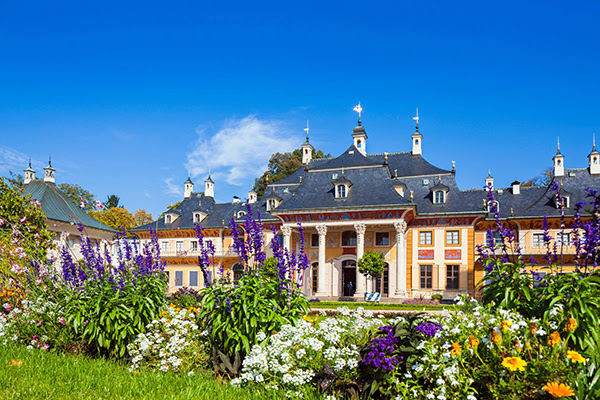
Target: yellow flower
x=558 y=390
x=505 y=325
x=554 y=339
x=456 y=349
x=473 y=342
x=571 y=325
x=15 y=363
x=496 y=338
x=514 y=363
x=309 y=319
x=575 y=357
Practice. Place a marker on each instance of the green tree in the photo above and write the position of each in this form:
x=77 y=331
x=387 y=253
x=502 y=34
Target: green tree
x=142 y=217
x=77 y=194
x=115 y=217
x=371 y=264
x=280 y=166
x=112 y=201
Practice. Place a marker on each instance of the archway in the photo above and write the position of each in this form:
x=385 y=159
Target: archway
x=348 y=278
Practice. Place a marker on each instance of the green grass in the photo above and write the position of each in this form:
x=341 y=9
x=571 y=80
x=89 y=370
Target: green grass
x=47 y=375
x=379 y=306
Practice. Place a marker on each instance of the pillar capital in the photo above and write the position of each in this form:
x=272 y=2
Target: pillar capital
x=286 y=230
x=321 y=229
x=360 y=228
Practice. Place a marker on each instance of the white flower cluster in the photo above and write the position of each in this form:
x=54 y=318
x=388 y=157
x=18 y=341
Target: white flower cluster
x=166 y=342
x=290 y=358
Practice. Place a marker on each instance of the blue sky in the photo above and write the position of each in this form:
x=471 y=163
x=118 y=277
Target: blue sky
x=127 y=97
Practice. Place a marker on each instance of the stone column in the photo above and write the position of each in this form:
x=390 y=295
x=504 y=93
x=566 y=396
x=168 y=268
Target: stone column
x=322 y=273
x=287 y=235
x=361 y=286
x=400 y=273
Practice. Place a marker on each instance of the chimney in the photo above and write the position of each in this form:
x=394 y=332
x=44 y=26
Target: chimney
x=516 y=188
x=236 y=200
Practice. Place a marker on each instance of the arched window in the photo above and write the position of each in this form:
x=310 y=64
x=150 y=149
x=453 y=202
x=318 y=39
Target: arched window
x=271 y=203
x=439 y=197
x=341 y=191
x=349 y=239
x=238 y=271
x=168 y=219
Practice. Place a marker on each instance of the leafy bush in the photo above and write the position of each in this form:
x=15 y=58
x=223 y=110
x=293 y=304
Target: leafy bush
x=371 y=264
x=437 y=297
x=235 y=314
x=185 y=298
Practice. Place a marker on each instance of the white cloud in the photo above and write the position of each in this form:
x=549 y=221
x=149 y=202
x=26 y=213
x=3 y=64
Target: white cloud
x=15 y=161
x=173 y=189
x=240 y=150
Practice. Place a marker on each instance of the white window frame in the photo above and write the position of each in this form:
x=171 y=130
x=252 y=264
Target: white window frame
x=537 y=240
x=437 y=200
x=164 y=245
x=179 y=246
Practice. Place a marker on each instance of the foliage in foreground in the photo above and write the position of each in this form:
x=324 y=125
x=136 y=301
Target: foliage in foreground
x=39 y=375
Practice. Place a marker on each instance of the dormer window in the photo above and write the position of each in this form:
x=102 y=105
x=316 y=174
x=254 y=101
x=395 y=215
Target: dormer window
x=168 y=219
x=341 y=191
x=439 y=197
x=271 y=204
x=563 y=201
x=493 y=206
x=341 y=186
x=198 y=217
x=241 y=214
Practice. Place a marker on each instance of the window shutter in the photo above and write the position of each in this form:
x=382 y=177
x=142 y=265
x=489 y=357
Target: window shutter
x=416 y=273
x=463 y=277
x=435 y=281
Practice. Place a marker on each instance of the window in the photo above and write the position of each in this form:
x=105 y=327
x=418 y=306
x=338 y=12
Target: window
x=238 y=271
x=426 y=238
x=341 y=191
x=562 y=201
x=563 y=239
x=168 y=219
x=538 y=240
x=452 y=237
x=426 y=274
x=385 y=290
x=382 y=239
x=349 y=239
x=493 y=206
x=497 y=239
x=193 y=279
x=193 y=245
x=197 y=217
x=314 y=240
x=164 y=246
x=178 y=278
x=179 y=246
x=208 y=279
x=271 y=203
x=452 y=277
x=439 y=197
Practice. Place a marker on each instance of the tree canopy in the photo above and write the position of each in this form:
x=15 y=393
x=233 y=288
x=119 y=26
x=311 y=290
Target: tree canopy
x=78 y=195
x=543 y=179
x=142 y=217
x=371 y=264
x=280 y=166
x=112 y=201
x=115 y=217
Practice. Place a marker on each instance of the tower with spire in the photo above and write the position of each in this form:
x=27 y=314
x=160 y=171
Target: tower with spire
x=188 y=187
x=359 y=134
x=49 y=172
x=307 y=149
x=594 y=158
x=417 y=138
x=29 y=174
x=209 y=187
x=559 y=162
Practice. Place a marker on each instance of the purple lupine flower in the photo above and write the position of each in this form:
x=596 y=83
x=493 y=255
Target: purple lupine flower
x=428 y=328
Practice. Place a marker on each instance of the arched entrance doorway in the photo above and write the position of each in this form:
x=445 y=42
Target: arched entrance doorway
x=348 y=277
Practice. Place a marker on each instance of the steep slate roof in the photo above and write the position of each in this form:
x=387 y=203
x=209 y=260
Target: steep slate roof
x=371 y=187
x=352 y=157
x=407 y=164
x=57 y=206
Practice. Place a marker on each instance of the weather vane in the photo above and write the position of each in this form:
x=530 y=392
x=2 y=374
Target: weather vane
x=306 y=130
x=416 y=118
x=358 y=109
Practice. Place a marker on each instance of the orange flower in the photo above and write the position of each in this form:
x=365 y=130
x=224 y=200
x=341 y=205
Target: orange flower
x=575 y=357
x=514 y=363
x=456 y=349
x=505 y=325
x=496 y=338
x=473 y=342
x=571 y=325
x=558 y=390
x=554 y=339
x=15 y=363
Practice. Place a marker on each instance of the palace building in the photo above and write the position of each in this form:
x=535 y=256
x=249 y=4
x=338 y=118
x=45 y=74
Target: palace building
x=394 y=203
x=62 y=215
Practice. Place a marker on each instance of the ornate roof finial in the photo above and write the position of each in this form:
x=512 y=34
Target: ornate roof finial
x=306 y=130
x=416 y=118
x=395 y=173
x=453 y=165
x=558 y=145
x=342 y=171
x=412 y=194
x=49 y=161
x=358 y=109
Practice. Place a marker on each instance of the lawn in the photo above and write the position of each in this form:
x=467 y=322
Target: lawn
x=47 y=375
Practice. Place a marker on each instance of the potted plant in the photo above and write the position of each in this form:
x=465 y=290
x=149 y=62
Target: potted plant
x=371 y=265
